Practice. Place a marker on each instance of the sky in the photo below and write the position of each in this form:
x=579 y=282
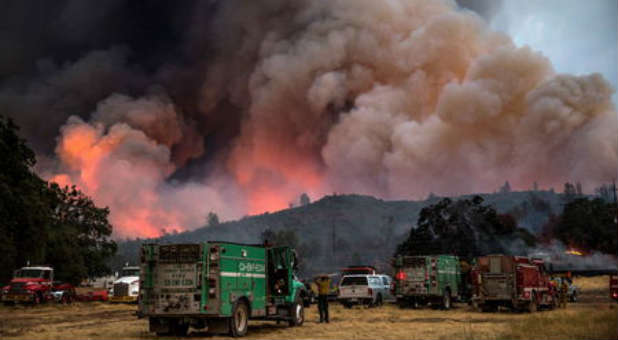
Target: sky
x=589 y=28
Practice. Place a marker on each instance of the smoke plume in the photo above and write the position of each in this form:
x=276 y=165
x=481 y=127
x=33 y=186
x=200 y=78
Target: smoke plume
x=273 y=98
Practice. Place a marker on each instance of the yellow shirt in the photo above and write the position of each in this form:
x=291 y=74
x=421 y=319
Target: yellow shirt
x=323 y=286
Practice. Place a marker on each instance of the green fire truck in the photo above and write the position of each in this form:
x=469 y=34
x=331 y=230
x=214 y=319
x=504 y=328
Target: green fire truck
x=218 y=286
x=422 y=279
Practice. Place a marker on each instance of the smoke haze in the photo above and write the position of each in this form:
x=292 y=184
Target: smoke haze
x=242 y=106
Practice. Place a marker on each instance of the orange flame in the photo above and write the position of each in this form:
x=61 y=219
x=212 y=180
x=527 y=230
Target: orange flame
x=574 y=252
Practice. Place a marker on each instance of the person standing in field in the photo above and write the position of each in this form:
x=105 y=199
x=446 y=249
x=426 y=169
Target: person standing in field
x=323 y=282
x=564 y=290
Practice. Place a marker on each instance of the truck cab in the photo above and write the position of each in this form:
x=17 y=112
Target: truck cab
x=29 y=285
x=126 y=287
x=218 y=285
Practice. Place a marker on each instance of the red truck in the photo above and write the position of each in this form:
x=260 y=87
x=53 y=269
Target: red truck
x=516 y=282
x=36 y=285
x=613 y=287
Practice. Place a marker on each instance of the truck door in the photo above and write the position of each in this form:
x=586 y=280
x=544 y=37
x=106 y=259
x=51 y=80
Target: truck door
x=279 y=273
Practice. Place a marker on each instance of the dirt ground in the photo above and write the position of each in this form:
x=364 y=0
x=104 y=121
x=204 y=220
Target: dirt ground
x=593 y=317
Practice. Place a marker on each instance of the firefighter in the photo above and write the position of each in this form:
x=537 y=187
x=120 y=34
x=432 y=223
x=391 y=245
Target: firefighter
x=564 y=290
x=323 y=283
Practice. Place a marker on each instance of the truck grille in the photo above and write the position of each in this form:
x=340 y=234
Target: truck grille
x=17 y=288
x=121 y=289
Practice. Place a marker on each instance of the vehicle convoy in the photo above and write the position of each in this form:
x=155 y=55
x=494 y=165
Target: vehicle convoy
x=434 y=279
x=366 y=289
x=511 y=281
x=36 y=285
x=218 y=285
x=126 y=287
x=613 y=287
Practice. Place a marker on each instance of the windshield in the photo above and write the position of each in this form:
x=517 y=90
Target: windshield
x=30 y=273
x=130 y=272
x=354 y=280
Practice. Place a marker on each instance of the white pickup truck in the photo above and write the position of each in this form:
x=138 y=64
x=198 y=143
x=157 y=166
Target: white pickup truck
x=362 y=289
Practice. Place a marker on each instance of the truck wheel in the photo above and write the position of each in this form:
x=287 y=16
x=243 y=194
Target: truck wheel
x=446 y=300
x=532 y=306
x=37 y=299
x=297 y=311
x=239 y=319
x=180 y=329
x=573 y=297
x=346 y=304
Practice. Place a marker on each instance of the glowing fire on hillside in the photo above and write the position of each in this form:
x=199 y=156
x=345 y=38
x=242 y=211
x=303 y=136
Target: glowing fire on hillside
x=573 y=251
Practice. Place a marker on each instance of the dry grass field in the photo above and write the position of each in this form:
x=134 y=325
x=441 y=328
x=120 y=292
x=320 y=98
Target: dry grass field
x=593 y=317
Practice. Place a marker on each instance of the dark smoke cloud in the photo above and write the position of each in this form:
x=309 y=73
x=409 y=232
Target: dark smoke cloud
x=61 y=58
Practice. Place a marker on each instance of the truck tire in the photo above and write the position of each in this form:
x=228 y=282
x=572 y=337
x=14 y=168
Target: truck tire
x=178 y=328
x=532 y=306
x=37 y=299
x=446 y=300
x=297 y=312
x=346 y=304
x=239 y=320
x=573 y=297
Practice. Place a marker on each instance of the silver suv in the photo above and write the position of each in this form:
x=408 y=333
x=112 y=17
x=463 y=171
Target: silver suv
x=370 y=290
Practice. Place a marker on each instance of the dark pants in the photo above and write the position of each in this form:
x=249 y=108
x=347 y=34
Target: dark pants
x=323 y=307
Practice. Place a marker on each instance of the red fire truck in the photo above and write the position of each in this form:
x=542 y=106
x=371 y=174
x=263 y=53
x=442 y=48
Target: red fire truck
x=613 y=287
x=29 y=284
x=516 y=282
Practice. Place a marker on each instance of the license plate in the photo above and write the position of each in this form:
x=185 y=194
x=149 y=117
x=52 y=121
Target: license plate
x=353 y=300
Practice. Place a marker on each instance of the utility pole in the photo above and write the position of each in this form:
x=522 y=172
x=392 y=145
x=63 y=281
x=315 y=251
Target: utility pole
x=616 y=211
x=333 y=237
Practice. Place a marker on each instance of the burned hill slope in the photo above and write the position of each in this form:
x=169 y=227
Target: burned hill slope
x=338 y=230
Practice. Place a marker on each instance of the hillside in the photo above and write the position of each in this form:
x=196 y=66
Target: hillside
x=342 y=229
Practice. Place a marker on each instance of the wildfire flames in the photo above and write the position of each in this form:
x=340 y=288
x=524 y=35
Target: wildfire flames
x=396 y=99
x=574 y=252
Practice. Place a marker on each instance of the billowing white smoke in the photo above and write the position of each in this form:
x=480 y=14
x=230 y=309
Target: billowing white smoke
x=394 y=98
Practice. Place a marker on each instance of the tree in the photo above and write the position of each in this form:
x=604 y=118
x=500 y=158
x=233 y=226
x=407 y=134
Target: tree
x=605 y=192
x=569 y=193
x=466 y=228
x=24 y=204
x=268 y=236
x=78 y=222
x=42 y=223
x=212 y=219
x=586 y=224
x=506 y=188
x=304 y=199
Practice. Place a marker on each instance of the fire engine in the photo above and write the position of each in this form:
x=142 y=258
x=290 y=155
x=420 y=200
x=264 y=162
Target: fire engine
x=511 y=281
x=30 y=285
